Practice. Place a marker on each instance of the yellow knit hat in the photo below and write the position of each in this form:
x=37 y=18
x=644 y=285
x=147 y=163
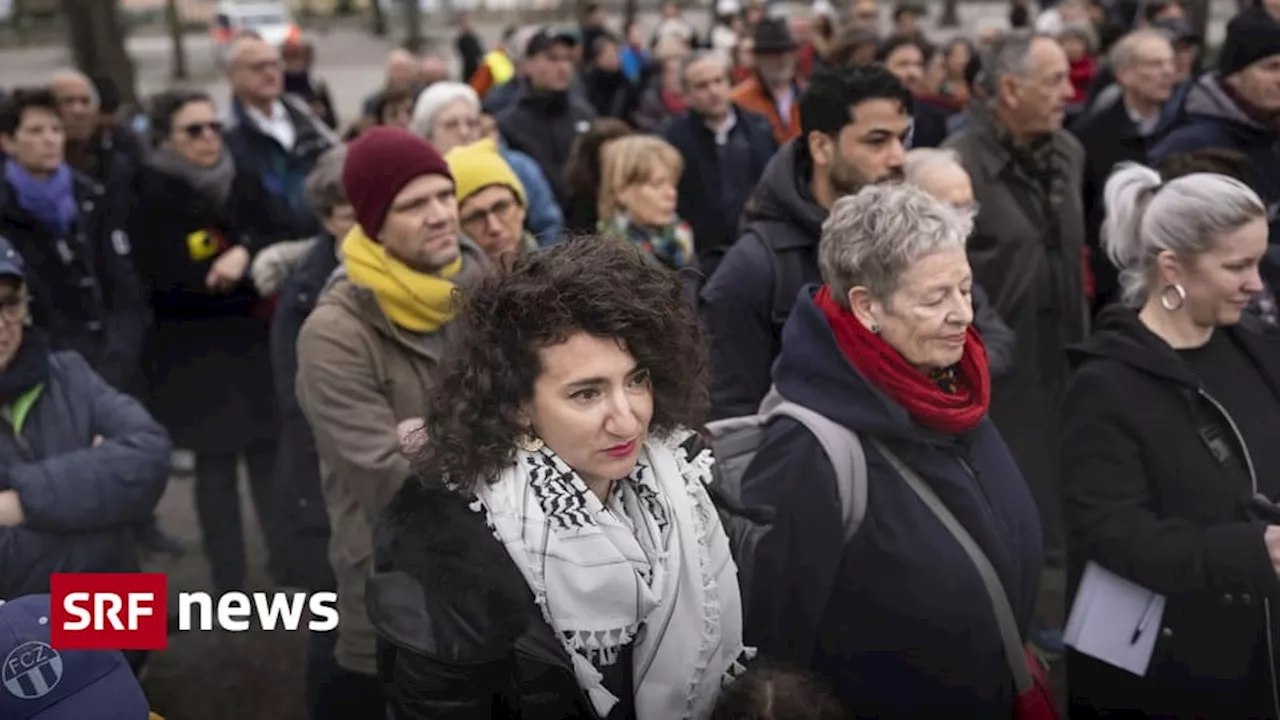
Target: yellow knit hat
x=479 y=165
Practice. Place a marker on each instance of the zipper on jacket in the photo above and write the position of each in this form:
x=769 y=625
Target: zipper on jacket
x=1266 y=602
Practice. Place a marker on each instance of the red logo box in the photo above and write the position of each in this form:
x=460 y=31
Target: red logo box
x=109 y=611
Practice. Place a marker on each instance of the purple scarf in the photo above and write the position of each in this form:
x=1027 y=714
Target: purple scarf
x=51 y=200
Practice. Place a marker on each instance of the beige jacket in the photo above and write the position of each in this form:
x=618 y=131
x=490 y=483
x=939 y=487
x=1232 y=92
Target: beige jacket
x=359 y=376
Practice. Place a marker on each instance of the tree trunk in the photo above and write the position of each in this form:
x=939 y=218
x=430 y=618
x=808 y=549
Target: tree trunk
x=413 y=26
x=97 y=42
x=378 y=17
x=950 y=15
x=173 y=18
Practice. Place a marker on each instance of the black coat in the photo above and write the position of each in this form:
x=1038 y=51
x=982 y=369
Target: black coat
x=898 y=619
x=84 y=289
x=611 y=93
x=1109 y=138
x=543 y=126
x=207 y=355
x=283 y=172
x=470 y=52
x=460 y=637
x=1146 y=496
x=305 y=533
x=718 y=179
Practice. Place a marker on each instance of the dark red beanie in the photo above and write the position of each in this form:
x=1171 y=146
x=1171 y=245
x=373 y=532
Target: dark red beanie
x=379 y=164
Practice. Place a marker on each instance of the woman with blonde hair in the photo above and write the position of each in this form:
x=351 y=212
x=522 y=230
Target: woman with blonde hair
x=638 y=198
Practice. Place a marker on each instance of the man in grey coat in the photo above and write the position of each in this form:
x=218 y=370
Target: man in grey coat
x=1027 y=249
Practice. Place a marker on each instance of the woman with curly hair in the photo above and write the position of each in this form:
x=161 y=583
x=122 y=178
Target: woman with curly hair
x=557 y=555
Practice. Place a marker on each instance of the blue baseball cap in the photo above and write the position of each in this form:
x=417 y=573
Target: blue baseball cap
x=40 y=683
x=11 y=264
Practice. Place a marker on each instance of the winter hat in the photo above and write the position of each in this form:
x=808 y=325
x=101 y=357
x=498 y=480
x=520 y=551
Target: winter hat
x=772 y=36
x=379 y=164
x=1252 y=35
x=479 y=165
x=40 y=683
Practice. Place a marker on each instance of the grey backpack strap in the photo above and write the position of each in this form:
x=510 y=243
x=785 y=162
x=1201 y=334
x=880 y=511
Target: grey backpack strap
x=844 y=451
x=1009 y=634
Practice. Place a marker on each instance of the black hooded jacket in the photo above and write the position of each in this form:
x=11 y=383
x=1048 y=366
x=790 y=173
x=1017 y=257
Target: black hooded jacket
x=1156 y=481
x=748 y=299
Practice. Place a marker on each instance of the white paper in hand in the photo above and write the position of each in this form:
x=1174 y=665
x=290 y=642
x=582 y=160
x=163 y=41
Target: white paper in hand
x=1115 y=620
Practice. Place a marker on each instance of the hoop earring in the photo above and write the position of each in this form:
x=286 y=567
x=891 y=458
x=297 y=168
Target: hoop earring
x=530 y=443
x=1170 y=305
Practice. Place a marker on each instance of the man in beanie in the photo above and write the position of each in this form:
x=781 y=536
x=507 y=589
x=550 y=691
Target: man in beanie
x=1238 y=106
x=367 y=355
x=491 y=201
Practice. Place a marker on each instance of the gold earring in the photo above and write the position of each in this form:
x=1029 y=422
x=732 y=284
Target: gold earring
x=531 y=443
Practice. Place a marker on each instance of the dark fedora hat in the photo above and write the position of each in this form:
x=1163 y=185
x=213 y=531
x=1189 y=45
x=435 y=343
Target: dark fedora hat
x=773 y=36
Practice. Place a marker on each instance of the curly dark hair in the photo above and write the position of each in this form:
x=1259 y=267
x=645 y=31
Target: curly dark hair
x=607 y=288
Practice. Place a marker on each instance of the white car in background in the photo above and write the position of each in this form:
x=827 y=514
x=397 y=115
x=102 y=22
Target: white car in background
x=270 y=21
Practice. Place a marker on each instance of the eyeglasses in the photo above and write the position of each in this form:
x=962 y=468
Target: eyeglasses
x=456 y=124
x=265 y=66
x=197 y=130
x=479 y=218
x=13 y=309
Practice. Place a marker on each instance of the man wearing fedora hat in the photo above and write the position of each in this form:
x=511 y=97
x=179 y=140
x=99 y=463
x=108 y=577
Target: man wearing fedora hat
x=773 y=91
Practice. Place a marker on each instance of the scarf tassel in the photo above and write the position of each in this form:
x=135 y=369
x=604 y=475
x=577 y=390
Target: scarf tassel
x=600 y=646
x=590 y=680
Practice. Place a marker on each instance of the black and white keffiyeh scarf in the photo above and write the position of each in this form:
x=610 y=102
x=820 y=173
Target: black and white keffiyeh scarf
x=653 y=554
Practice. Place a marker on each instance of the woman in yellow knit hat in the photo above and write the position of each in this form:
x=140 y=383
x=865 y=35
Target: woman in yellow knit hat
x=491 y=201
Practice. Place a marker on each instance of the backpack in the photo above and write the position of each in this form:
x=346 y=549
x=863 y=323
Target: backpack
x=736 y=440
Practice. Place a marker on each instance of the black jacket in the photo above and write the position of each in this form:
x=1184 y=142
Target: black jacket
x=612 y=94
x=460 y=637
x=718 y=179
x=84 y=289
x=1109 y=138
x=81 y=499
x=929 y=124
x=305 y=534
x=897 y=620
x=207 y=357
x=1146 y=495
x=283 y=172
x=543 y=126
x=470 y=52
x=747 y=300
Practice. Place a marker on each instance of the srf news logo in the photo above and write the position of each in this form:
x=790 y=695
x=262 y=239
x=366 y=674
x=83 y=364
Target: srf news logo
x=130 y=611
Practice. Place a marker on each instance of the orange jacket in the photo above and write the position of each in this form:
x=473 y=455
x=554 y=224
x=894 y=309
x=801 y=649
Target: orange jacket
x=754 y=96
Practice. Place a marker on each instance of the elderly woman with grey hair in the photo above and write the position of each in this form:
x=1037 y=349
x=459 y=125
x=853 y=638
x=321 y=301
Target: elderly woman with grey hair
x=448 y=115
x=895 y=614
x=1169 y=455
x=938 y=172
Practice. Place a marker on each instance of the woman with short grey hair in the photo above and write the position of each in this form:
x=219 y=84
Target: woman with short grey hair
x=1170 y=457
x=886 y=350
x=938 y=171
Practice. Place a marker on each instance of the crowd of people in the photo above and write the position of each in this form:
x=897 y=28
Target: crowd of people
x=750 y=371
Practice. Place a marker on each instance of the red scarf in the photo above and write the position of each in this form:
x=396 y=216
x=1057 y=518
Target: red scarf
x=952 y=413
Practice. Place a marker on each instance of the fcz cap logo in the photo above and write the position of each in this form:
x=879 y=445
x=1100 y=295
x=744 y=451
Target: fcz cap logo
x=31 y=670
x=109 y=611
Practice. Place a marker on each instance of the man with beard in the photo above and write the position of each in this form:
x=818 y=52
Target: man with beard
x=853 y=125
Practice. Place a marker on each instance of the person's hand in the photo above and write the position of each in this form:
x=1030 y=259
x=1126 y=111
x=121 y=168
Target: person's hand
x=1272 y=539
x=10 y=509
x=413 y=436
x=228 y=270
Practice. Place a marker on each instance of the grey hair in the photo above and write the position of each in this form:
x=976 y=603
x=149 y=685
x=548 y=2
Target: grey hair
x=921 y=160
x=693 y=58
x=870 y=238
x=324 y=183
x=1010 y=54
x=1124 y=53
x=1184 y=216
x=435 y=98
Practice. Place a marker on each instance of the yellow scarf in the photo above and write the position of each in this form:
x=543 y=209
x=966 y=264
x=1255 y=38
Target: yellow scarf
x=412 y=300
